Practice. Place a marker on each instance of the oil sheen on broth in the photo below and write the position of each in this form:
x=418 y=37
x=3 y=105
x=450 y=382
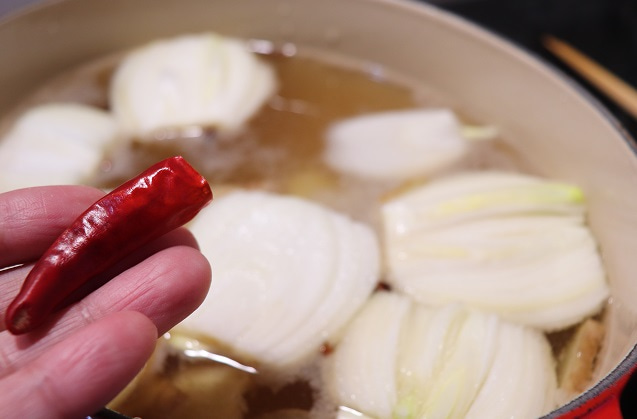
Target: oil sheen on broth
x=280 y=151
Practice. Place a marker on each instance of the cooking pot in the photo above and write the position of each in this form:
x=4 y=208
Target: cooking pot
x=555 y=128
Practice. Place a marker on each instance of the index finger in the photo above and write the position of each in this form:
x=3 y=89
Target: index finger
x=31 y=219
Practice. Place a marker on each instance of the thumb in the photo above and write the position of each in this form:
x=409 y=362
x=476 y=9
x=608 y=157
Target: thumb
x=81 y=374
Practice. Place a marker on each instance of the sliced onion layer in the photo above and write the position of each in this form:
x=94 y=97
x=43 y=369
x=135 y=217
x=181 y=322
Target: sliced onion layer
x=395 y=145
x=398 y=359
x=58 y=143
x=507 y=243
x=287 y=275
x=521 y=379
x=203 y=79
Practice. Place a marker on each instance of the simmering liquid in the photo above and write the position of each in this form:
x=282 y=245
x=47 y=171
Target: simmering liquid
x=280 y=150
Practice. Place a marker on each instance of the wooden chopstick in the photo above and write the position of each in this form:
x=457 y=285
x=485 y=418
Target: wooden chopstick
x=615 y=88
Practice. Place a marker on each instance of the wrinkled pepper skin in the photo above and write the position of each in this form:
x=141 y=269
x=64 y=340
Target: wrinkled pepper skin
x=160 y=199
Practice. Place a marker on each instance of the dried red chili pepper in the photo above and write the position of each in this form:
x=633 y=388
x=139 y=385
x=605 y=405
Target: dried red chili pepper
x=160 y=199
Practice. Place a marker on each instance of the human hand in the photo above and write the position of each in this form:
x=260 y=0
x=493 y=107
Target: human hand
x=91 y=350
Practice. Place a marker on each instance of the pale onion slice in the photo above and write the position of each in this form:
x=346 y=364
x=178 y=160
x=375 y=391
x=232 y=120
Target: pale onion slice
x=398 y=359
x=203 y=79
x=58 y=143
x=441 y=370
x=473 y=195
x=362 y=371
x=521 y=379
x=543 y=272
x=287 y=275
x=395 y=145
x=520 y=251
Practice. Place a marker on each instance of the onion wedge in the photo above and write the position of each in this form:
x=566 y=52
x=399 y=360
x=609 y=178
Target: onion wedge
x=399 y=359
x=398 y=145
x=501 y=242
x=191 y=80
x=287 y=275
x=57 y=143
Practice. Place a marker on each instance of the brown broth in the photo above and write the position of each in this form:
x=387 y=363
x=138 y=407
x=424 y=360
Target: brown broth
x=280 y=149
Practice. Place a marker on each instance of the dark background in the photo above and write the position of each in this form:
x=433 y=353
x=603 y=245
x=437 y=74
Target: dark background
x=605 y=30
